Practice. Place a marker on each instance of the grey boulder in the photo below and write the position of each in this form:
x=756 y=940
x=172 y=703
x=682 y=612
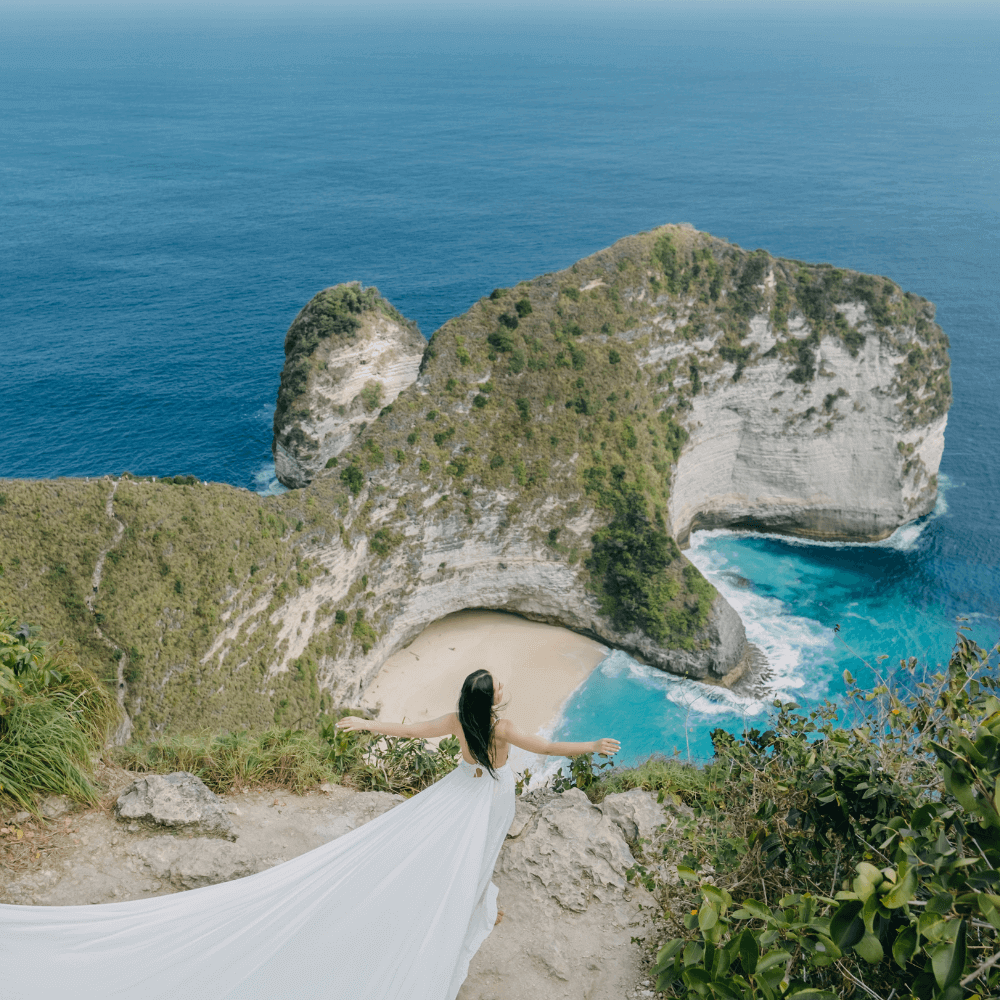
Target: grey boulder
x=188 y=864
x=635 y=813
x=179 y=800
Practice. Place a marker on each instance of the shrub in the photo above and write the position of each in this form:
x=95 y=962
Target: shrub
x=497 y=293
x=479 y=401
x=570 y=292
x=353 y=478
x=516 y=362
x=363 y=632
x=331 y=462
x=666 y=253
x=411 y=438
x=898 y=798
x=371 y=395
x=496 y=462
x=614 y=357
x=383 y=541
x=524 y=409
x=628 y=563
x=523 y=307
x=508 y=320
x=501 y=341
x=443 y=436
x=340 y=617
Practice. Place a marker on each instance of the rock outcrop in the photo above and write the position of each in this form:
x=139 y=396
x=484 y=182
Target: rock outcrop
x=560 y=442
x=179 y=800
x=348 y=354
x=571 y=921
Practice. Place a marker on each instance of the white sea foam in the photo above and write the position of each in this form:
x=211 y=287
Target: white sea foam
x=790 y=642
x=265 y=482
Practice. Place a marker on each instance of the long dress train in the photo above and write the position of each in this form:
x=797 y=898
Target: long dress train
x=393 y=910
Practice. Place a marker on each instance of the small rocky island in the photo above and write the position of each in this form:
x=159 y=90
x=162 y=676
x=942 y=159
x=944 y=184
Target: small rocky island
x=547 y=453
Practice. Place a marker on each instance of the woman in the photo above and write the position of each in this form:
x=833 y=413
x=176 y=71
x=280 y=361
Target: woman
x=393 y=910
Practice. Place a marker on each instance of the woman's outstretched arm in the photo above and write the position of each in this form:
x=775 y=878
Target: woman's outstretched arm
x=442 y=726
x=536 y=744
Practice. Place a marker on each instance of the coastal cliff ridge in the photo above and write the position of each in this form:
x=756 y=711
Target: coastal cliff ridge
x=548 y=455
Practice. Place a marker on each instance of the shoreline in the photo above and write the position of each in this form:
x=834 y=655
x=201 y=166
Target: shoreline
x=539 y=665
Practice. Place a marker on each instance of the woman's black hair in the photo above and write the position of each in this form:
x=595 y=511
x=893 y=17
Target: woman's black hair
x=475 y=713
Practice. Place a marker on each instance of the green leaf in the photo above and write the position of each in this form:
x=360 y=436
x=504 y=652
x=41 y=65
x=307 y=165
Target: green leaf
x=948 y=958
x=870 y=873
x=902 y=892
x=870 y=949
x=811 y=994
x=708 y=916
x=666 y=955
x=905 y=946
x=749 y=952
x=687 y=874
x=771 y=959
x=722 y=989
x=756 y=910
x=846 y=928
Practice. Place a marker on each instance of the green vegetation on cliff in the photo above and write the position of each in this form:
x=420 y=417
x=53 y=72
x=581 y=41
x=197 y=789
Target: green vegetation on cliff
x=851 y=852
x=191 y=558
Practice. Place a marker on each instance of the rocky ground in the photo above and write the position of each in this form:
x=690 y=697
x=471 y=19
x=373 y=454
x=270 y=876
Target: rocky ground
x=573 y=928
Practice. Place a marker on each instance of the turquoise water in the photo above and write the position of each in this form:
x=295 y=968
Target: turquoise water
x=790 y=596
x=176 y=182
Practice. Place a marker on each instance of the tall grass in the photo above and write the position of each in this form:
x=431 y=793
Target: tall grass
x=295 y=759
x=290 y=758
x=44 y=749
x=53 y=715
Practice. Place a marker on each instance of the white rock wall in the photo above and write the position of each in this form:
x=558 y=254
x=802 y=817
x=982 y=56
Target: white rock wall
x=383 y=352
x=768 y=454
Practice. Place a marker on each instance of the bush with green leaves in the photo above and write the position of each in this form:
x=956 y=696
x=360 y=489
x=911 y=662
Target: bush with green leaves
x=853 y=858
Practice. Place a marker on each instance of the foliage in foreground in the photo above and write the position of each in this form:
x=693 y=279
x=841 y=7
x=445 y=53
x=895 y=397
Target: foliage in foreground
x=52 y=714
x=296 y=759
x=820 y=861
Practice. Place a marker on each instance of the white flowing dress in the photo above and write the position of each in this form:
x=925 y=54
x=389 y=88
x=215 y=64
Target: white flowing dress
x=393 y=910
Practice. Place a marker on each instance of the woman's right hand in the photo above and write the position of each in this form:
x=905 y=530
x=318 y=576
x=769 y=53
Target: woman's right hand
x=352 y=724
x=607 y=747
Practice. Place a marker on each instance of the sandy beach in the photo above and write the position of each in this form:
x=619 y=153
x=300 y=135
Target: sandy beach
x=539 y=665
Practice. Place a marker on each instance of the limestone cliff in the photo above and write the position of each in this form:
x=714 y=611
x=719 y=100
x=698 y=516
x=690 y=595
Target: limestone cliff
x=561 y=439
x=347 y=354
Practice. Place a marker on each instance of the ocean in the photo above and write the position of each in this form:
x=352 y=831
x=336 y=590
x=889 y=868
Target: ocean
x=176 y=182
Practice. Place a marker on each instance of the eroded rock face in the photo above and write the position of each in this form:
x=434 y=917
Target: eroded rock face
x=179 y=800
x=348 y=354
x=571 y=920
x=836 y=458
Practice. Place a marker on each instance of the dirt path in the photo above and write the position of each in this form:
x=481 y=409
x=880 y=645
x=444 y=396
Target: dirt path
x=124 y=730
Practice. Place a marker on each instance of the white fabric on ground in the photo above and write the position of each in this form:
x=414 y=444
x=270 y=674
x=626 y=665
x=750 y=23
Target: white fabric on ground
x=393 y=910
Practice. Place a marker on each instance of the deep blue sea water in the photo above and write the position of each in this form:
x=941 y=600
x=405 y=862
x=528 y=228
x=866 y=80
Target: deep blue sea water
x=176 y=183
